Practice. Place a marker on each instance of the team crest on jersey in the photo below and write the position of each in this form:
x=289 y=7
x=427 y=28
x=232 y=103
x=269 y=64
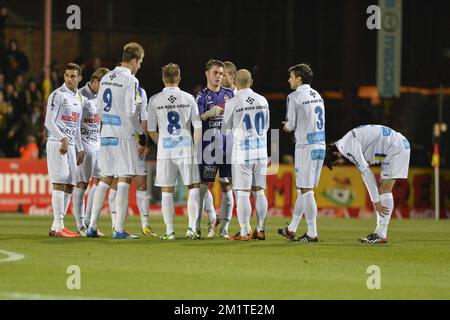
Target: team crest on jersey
x=112 y=77
x=65 y=102
x=250 y=100
x=172 y=99
x=67 y=112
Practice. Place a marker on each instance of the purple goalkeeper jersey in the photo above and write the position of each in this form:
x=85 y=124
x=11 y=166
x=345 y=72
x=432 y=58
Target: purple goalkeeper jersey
x=206 y=100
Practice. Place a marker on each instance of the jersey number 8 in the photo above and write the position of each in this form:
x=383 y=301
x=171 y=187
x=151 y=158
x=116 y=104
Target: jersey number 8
x=174 y=126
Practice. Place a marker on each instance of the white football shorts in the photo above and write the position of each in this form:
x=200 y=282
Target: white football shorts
x=248 y=175
x=396 y=164
x=89 y=168
x=62 y=169
x=118 y=157
x=168 y=170
x=308 y=165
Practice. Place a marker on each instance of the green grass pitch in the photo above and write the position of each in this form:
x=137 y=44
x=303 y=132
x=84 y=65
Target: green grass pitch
x=415 y=264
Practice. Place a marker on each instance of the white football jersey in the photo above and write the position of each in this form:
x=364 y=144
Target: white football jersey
x=306 y=115
x=370 y=144
x=90 y=121
x=142 y=106
x=172 y=112
x=117 y=103
x=63 y=117
x=247 y=115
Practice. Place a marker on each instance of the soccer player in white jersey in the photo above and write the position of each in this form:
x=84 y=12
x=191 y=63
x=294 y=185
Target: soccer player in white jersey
x=140 y=180
x=64 y=146
x=142 y=193
x=116 y=103
x=247 y=115
x=305 y=116
x=369 y=145
x=172 y=112
x=90 y=137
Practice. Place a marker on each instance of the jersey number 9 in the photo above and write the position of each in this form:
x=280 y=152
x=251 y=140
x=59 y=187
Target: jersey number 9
x=107 y=98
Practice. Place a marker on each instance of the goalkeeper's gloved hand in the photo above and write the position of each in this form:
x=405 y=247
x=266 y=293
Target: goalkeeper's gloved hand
x=213 y=112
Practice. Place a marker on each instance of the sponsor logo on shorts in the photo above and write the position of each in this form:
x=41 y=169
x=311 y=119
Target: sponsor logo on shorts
x=316 y=137
x=318 y=154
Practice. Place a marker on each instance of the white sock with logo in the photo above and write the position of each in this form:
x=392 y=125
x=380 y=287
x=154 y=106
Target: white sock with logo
x=298 y=213
x=97 y=205
x=123 y=192
x=112 y=206
x=261 y=207
x=244 y=211
x=386 y=200
x=78 y=206
x=310 y=206
x=143 y=203
x=168 y=210
x=192 y=207
x=58 y=210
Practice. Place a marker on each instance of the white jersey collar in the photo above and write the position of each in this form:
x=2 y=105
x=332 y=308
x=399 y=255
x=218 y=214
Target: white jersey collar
x=171 y=89
x=303 y=87
x=245 y=90
x=65 y=89
x=123 y=69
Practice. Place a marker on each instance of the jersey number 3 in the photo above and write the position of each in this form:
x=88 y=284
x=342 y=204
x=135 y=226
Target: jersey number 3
x=320 y=121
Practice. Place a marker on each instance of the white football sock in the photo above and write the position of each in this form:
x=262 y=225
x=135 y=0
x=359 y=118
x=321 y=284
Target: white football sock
x=90 y=201
x=260 y=208
x=203 y=191
x=298 y=213
x=58 y=210
x=168 y=210
x=143 y=203
x=123 y=192
x=226 y=208
x=192 y=207
x=78 y=206
x=209 y=207
x=244 y=211
x=112 y=206
x=386 y=200
x=66 y=202
x=97 y=205
x=310 y=206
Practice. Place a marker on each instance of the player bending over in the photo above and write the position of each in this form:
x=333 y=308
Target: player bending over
x=369 y=145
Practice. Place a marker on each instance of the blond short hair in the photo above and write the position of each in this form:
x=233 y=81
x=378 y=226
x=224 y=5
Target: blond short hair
x=171 y=73
x=132 y=50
